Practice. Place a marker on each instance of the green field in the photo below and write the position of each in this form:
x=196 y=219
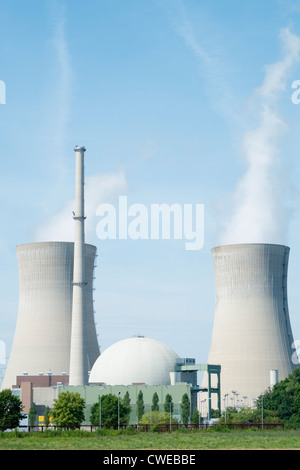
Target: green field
x=196 y=440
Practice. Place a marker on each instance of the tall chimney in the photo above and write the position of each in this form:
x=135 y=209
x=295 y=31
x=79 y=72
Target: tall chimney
x=78 y=374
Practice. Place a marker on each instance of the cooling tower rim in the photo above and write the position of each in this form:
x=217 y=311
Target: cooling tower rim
x=49 y=243
x=233 y=245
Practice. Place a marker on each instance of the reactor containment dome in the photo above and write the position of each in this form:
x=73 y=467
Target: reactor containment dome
x=136 y=360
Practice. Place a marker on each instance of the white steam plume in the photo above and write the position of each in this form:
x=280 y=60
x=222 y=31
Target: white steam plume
x=259 y=214
x=98 y=189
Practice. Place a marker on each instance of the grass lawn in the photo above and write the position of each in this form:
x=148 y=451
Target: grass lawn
x=193 y=440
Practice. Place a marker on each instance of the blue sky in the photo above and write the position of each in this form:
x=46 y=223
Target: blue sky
x=175 y=102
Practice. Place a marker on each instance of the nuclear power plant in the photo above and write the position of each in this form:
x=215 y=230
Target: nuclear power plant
x=56 y=342
x=252 y=334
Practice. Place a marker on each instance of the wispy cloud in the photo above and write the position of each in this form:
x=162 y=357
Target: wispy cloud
x=64 y=83
x=214 y=65
x=60 y=91
x=99 y=188
x=149 y=148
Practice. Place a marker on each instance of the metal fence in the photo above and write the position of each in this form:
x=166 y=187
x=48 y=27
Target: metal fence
x=254 y=425
x=158 y=427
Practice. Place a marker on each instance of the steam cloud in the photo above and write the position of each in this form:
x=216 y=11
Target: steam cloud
x=98 y=189
x=259 y=214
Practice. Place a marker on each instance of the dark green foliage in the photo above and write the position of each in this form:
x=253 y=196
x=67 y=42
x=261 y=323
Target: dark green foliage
x=10 y=410
x=47 y=415
x=155 y=402
x=168 y=405
x=185 y=408
x=283 y=400
x=126 y=407
x=140 y=405
x=195 y=417
x=109 y=411
x=32 y=415
x=279 y=404
x=215 y=413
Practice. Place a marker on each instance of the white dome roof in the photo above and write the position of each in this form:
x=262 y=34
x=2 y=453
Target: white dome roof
x=134 y=360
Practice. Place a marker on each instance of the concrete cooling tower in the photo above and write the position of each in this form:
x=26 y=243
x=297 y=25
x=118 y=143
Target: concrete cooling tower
x=252 y=333
x=42 y=338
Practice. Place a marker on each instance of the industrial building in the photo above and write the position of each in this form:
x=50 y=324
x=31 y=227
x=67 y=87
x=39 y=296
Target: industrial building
x=43 y=396
x=145 y=361
x=131 y=365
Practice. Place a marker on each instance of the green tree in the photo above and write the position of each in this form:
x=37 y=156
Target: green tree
x=282 y=401
x=68 y=410
x=32 y=415
x=109 y=411
x=185 y=409
x=248 y=415
x=168 y=405
x=10 y=410
x=47 y=415
x=140 y=405
x=196 y=416
x=155 y=402
x=127 y=406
